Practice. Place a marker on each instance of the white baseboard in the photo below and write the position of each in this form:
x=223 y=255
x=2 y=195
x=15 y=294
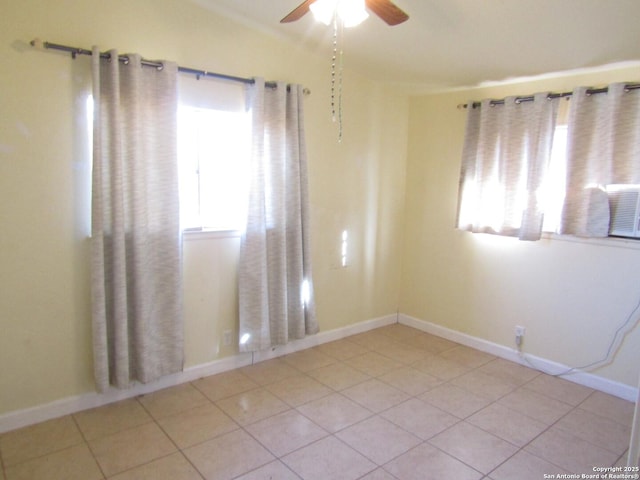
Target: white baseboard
x=596 y=382
x=325 y=337
x=29 y=416
x=21 y=418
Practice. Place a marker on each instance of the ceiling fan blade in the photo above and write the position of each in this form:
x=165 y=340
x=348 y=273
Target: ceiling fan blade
x=298 y=12
x=387 y=11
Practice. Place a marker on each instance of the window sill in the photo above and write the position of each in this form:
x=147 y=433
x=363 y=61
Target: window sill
x=210 y=234
x=616 y=242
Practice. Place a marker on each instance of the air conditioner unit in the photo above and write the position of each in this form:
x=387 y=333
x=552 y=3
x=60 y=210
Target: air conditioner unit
x=624 y=205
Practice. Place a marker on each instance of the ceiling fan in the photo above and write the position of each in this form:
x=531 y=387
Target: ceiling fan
x=385 y=9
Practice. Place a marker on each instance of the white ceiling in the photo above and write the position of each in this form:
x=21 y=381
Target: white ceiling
x=455 y=43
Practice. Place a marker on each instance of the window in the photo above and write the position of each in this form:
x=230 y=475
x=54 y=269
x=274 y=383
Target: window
x=213 y=152
x=620 y=201
x=514 y=181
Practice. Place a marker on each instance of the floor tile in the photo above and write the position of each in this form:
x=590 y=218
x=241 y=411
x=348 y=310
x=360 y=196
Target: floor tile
x=338 y=376
x=510 y=372
x=171 y=467
x=251 y=406
x=378 y=474
x=373 y=364
x=170 y=401
x=112 y=418
x=474 y=446
x=334 y=412
x=483 y=384
x=197 y=425
x=228 y=456
x=371 y=340
x=410 y=380
x=223 y=385
x=403 y=353
x=378 y=439
x=426 y=462
x=570 y=452
x=328 y=459
x=455 y=400
x=38 y=440
x=535 y=405
x=375 y=395
x=420 y=418
x=397 y=331
x=269 y=371
x=73 y=463
x=431 y=343
x=469 y=357
x=341 y=349
x=393 y=403
x=309 y=359
x=130 y=448
x=560 y=389
x=441 y=368
x=271 y=471
x=512 y=426
x=595 y=429
x=611 y=407
x=286 y=432
x=524 y=466
x=298 y=390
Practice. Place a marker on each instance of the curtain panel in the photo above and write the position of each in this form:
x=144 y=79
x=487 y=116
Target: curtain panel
x=276 y=302
x=505 y=158
x=136 y=261
x=603 y=148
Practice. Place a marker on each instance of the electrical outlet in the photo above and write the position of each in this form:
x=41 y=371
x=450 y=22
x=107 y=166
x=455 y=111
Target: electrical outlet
x=519 y=331
x=226 y=338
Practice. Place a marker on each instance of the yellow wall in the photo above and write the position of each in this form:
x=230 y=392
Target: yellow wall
x=358 y=185
x=570 y=296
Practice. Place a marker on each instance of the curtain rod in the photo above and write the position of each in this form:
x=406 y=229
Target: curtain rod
x=567 y=95
x=75 y=51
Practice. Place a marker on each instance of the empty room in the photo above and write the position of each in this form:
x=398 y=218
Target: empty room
x=330 y=239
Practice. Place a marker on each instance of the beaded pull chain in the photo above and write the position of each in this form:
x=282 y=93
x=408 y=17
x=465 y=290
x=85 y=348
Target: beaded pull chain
x=337 y=57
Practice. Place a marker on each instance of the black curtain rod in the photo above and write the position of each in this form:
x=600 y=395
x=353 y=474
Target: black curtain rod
x=75 y=51
x=567 y=95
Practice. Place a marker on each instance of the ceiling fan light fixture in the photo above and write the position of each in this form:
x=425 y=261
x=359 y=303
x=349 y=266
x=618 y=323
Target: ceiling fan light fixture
x=323 y=10
x=350 y=12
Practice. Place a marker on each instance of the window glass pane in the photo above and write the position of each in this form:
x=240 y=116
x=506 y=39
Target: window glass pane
x=213 y=155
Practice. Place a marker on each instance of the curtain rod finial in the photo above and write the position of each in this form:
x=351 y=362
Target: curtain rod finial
x=37 y=43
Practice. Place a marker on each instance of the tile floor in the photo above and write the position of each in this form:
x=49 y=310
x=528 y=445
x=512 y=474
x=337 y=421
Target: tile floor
x=392 y=403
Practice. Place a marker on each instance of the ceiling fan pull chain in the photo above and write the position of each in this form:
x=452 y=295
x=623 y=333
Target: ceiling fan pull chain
x=336 y=70
x=333 y=68
x=340 y=81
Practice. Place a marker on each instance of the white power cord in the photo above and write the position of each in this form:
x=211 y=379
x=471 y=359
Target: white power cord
x=622 y=331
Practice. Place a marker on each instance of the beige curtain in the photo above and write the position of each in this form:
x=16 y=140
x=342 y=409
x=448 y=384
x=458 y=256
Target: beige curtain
x=275 y=285
x=603 y=148
x=136 y=288
x=505 y=158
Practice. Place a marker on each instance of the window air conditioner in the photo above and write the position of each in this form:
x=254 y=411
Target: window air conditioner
x=624 y=205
